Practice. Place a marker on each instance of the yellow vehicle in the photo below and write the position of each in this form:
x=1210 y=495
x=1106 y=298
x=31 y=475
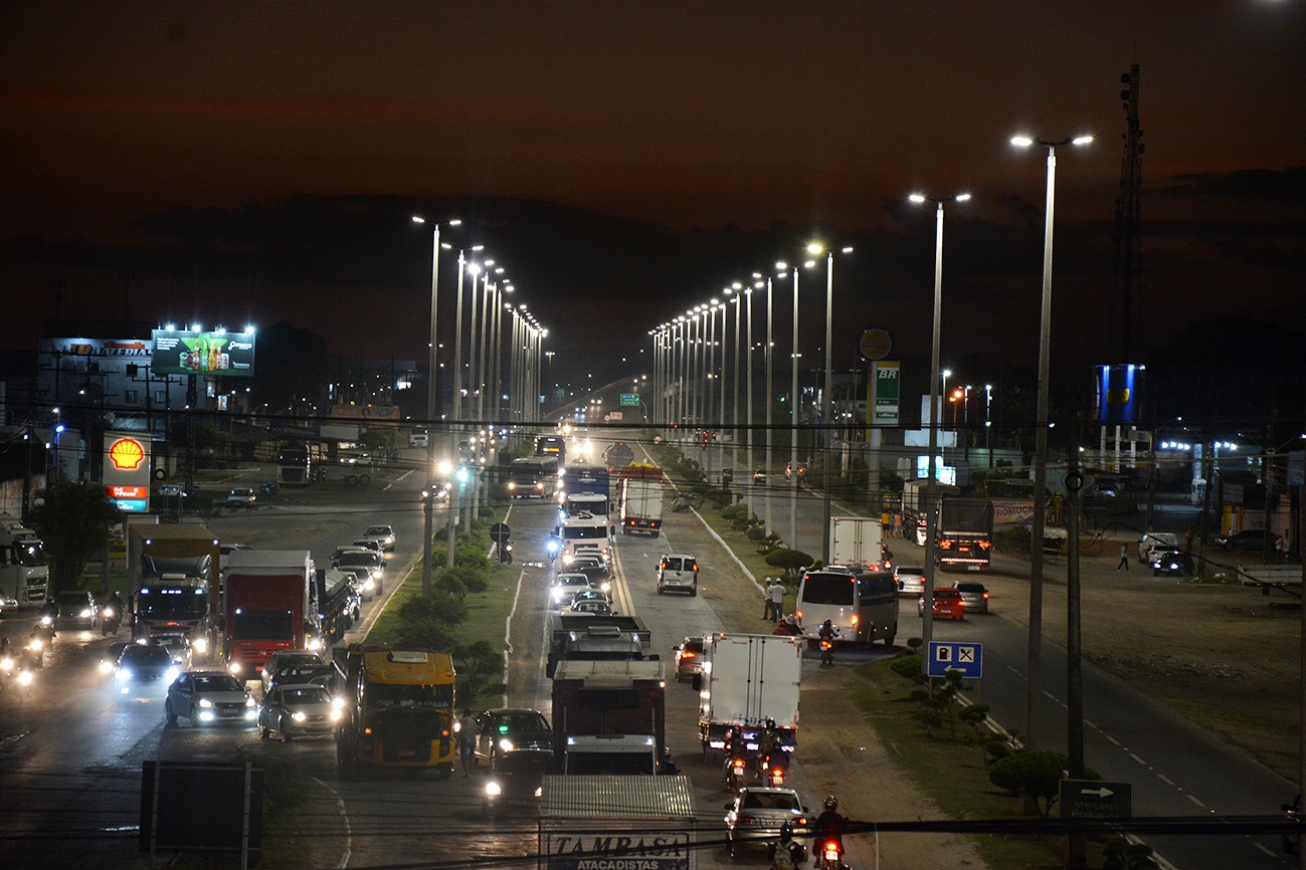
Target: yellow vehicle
x=397 y=709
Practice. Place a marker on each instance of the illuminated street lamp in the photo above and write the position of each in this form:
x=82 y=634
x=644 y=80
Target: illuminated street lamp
x=1032 y=685
x=931 y=482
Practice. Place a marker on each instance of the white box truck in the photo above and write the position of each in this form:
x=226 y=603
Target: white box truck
x=856 y=542
x=24 y=574
x=746 y=680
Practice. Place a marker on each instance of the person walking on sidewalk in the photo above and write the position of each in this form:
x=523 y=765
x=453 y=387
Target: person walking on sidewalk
x=1124 y=557
x=776 y=594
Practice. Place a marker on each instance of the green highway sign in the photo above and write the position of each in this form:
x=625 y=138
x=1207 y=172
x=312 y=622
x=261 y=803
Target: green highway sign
x=630 y=400
x=1095 y=799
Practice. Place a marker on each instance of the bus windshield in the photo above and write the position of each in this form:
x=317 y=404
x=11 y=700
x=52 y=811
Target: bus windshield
x=834 y=589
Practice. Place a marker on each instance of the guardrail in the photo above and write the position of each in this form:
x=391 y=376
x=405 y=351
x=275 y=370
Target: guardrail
x=1273 y=575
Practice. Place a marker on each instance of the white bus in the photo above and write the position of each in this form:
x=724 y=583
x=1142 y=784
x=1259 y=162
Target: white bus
x=861 y=604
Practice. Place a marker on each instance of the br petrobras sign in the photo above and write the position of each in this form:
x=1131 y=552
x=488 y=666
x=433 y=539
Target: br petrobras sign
x=184 y=352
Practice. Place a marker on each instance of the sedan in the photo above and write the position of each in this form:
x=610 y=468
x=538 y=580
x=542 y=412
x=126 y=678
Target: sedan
x=587 y=595
x=517 y=778
x=78 y=609
x=297 y=711
x=508 y=730
x=947 y=604
x=144 y=665
x=178 y=647
x=241 y=497
x=974 y=597
x=591 y=566
x=595 y=606
x=565 y=587
x=756 y=815
x=689 y=657
x=206 y=697
x=1172 y=563
x=384 y=535
x=1248 y=539
x=109 y=659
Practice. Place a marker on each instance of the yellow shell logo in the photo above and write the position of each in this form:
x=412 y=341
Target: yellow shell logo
x=126 y=454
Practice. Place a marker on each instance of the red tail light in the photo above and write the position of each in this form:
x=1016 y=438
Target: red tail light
x=945 y=544
x=984 y=545
x=690 y=655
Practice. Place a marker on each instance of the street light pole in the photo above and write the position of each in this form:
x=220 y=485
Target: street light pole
x=1035 y=651
x=428 y=510
x=931 y=483
x=793 y=426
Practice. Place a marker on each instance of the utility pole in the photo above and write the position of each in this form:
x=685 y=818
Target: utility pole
x=1127 y=236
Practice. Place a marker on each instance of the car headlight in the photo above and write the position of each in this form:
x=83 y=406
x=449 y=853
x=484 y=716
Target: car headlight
x=299 y=716
x=105 y=667
x=369 y=584
x=505 y=744
x=7 y=664
x=234 y=667
x=250 y=702
x=205 y=703
x=25 y=678
x=86 y=613
x=315 y=644
x=201 y=646
x=170 y=674
x=606 y=587
x=493 y=789
x=376 y=574
x=123 y=674
x=568 y=559
x=336 y=713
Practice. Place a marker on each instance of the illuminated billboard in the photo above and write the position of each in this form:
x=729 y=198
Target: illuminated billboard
x=183 y=352
x=127 y=470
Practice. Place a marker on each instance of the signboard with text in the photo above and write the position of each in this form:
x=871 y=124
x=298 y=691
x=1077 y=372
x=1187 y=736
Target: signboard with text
x=968 y=658
x=1095 y=799
x=886 y=393
x=127 y=470
x=630 y=400
x=183 y=352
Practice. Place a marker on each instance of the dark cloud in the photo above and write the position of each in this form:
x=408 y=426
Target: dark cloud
x=1266 y=185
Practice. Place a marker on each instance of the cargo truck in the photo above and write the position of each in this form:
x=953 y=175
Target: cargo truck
x=269 y=604
x=592 y=479
x=585 y=637
x=397 y=709
x=965 y=534
x=619 y=822
x=173 y=574
x=857 y=542
x=641 y=499
x=24 y=573
x=610 y=700
x=747 y=680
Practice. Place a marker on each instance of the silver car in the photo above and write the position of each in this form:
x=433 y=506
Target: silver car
x=565 y=587
x=911 y=579
x=974 y=597
x=756 y=815
x=209 y=697
x=297 y=711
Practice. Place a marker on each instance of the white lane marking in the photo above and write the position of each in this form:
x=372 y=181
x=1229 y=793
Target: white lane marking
x=349 y=831
x=1049 y=695
x=397 y=479
x=1139 y=760
x=1164 y=779
x=1111 y=739
x=1196 y=801
x=1091 y=725
x=1269 y=852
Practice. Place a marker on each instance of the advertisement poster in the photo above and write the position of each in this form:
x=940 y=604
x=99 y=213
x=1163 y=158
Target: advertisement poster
x=178 y=352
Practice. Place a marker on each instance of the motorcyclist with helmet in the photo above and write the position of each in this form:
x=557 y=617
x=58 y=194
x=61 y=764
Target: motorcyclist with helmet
x=829 y=828
x=788 y=852
x=826 y=635
x=49 y=614
x=113 y=612
x=736 y=748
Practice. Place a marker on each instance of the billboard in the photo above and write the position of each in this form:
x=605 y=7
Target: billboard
x=1117 y=393
x=183 y=352
x=127 y=471
x=886 y=393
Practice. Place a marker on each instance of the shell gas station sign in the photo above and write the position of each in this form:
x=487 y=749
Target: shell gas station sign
x=127 y=470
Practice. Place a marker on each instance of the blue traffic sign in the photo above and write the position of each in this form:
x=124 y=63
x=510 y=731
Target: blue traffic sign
x=968 y=658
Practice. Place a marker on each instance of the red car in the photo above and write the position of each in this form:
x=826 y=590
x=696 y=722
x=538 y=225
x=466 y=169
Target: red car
x=947 y=604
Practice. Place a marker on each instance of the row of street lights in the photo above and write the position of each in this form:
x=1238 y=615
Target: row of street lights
x=484 y=364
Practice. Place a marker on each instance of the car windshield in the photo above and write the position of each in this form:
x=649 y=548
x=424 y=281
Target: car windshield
x=246 y=493
x=769 y=801
x=571 y=580
x=72 y=599
x=218 y=683
x=310 y=695
x=297 y=661
x=946 y=593
x=171 y=641
x=378 y=530
x=520 y=723
x=970 y=587
x=302 y=674
x=828 y=589
x=139 y=654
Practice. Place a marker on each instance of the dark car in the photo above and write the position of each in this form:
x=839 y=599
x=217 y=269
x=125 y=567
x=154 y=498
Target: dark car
x=506 y=730
x=144 y=664
x=689 y=657
x=517 y=778
x=1173 y=563
x=1248 y=539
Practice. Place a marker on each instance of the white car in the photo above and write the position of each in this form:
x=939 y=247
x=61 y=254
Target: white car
x=564 y=588
x=297 y=711
x=241 y=497
x=178 y=647
x=367 y=566
x=383 y=535
x=911 y=579
x=209 y=697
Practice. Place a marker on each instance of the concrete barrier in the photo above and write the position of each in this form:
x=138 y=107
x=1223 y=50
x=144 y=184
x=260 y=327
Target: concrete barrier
x=1279 y=575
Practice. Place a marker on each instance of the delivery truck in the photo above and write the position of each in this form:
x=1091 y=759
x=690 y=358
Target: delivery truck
x=269 y=604
x=748 y=680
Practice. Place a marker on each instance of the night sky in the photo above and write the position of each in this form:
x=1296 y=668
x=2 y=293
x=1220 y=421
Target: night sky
x=625 y=160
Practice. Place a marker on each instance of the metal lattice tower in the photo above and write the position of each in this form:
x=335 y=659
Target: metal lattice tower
x=1127 y=237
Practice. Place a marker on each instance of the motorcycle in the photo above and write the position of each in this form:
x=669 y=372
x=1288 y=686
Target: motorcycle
x=681 y=503
x=112 y=619
x=505 y=553
x=796 y=850
x=34 y=652
x=829 y=855
x=773 y=768
x=736 y=773
x=16 y=671
x=827 y=651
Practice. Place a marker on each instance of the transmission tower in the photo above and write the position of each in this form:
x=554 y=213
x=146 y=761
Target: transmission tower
x=1127 y=237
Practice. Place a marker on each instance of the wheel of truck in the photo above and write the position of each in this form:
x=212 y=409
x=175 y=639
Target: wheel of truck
x=263 y=732
x=364 y=480
x=693 y=593
x=625 y=531
x=351 y=480
x=656 y=533
x=888 y=638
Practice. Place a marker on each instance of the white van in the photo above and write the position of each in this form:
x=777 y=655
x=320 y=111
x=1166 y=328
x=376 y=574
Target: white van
x=418 y=438
x=1152 y=543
